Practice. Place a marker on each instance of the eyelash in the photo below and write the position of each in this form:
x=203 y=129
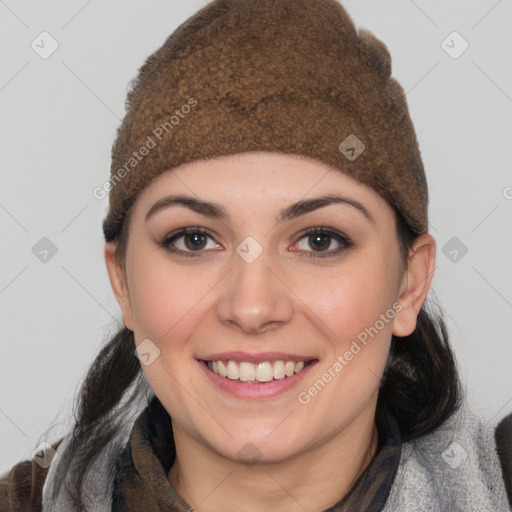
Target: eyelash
x=341 y=238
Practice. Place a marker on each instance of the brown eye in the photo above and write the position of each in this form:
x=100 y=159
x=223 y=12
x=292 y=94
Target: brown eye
x=323 y=242
x=195 y=241
x=190 y=242
x=319 y=241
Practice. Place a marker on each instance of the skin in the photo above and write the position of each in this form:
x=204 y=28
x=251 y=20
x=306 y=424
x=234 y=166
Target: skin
x=283 y=301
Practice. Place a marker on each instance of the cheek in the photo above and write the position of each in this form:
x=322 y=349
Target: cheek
x=353 y=309
x=354 y=314
x=166 y=301
x=352 y=299
x=168 y=304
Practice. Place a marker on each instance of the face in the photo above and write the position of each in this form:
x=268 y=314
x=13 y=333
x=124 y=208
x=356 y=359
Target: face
x=278 y=270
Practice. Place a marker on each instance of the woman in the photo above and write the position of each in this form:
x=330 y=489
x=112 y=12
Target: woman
x=267 y=242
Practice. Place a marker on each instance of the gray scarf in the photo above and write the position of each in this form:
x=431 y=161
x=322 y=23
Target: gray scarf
x=454 y=469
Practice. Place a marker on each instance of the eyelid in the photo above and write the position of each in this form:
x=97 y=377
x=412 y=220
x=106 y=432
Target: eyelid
x=344 y=240
x=179 y=233
x=185 y=231
x=337 y=235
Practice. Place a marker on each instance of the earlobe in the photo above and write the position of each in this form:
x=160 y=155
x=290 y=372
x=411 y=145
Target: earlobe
x=415 y=284
x=118 y=283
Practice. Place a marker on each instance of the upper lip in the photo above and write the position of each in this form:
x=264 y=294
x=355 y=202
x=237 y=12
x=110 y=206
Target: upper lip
x=254 y=358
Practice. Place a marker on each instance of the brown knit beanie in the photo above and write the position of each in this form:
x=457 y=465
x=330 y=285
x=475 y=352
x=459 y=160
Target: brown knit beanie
x=292 y=76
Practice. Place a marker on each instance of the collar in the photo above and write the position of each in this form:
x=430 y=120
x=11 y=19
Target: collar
x=141 y=481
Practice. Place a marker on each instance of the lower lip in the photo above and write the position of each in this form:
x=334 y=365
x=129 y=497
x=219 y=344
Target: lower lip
x=256 y=390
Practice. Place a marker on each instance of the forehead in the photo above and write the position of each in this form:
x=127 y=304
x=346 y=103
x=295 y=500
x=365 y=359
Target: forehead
x=256 y=176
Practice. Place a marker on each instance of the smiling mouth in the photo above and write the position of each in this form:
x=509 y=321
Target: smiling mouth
x=257 y=373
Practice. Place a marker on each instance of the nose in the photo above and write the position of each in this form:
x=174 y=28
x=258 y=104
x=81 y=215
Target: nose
x=254 y=297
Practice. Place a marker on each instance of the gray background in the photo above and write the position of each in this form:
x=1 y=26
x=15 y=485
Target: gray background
x=58 y=120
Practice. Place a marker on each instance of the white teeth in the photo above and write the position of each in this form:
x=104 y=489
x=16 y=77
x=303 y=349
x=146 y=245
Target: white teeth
x=223 y=372
x=289 y=368
x=279 y=370
x=261 y=372
x=264 y=372
x=247 y=372
x=233 y=372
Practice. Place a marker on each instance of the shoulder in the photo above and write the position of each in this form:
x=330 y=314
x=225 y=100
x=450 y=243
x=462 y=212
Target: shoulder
x=503 y=435
x=455 y=467
x=21 y=488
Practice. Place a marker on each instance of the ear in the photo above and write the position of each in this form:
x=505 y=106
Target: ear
x=118 y=282
x=415 y=284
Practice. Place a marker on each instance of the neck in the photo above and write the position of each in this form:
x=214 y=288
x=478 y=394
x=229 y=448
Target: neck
x=209 y=482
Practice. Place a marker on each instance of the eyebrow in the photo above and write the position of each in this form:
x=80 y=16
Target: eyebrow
x=217 y=211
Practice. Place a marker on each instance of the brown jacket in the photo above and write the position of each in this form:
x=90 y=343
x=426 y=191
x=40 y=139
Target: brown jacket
x=21 y=489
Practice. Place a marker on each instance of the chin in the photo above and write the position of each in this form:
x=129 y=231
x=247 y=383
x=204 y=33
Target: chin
x=251 y=450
